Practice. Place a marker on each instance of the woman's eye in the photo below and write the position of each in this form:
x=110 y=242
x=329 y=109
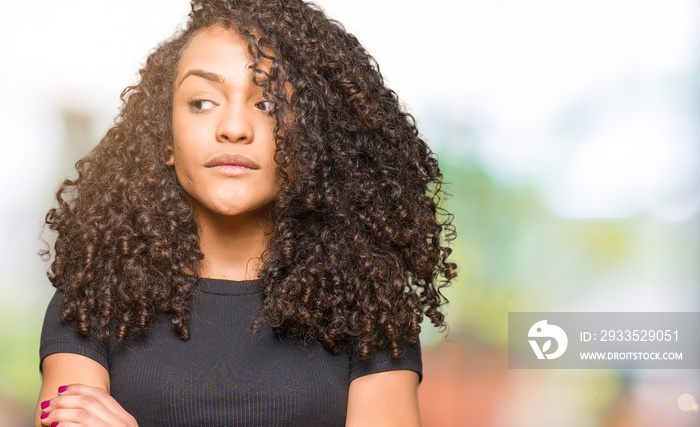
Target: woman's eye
x=201 y=104
x=266 y=106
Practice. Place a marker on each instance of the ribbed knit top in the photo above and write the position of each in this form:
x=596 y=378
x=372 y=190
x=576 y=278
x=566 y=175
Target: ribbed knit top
x=223 y=375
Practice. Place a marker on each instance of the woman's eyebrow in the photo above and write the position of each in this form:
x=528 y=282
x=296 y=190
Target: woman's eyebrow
x=212 y=77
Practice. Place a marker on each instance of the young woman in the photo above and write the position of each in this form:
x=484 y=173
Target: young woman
x=254 y=242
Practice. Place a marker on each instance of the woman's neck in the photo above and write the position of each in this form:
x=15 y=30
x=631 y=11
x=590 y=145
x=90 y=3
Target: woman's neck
x=232 y=246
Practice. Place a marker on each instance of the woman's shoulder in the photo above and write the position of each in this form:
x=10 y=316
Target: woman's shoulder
x=58 y=336
x=381 y=360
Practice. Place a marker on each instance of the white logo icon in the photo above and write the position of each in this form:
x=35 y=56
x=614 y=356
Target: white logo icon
x=542 y=330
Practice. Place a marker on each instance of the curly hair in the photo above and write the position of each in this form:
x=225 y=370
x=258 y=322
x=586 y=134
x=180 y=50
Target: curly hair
x=359 y=249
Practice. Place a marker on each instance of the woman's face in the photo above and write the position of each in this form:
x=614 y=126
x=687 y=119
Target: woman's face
x=223 y=143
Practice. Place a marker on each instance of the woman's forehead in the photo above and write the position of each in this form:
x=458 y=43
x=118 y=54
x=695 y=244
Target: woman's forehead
x=218 y=45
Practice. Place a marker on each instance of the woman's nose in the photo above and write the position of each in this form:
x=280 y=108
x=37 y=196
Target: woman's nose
x=235 y=125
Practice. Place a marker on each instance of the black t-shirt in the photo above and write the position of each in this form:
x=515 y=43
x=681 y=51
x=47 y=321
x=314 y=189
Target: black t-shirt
x=222 y=375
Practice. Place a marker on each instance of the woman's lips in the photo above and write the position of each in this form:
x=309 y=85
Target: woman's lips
x=232 y=163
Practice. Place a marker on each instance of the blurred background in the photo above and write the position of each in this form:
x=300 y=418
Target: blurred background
x=569 y=133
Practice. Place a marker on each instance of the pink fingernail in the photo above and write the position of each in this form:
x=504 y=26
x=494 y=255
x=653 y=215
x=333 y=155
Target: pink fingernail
x=54 y=424
x=45 y=404
x=45 y=415
x=62 y=388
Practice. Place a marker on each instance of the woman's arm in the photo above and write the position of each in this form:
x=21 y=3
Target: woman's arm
x=86 y=400
x=384 y=399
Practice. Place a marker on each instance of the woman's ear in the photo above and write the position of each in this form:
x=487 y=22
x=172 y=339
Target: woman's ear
x=169 y=151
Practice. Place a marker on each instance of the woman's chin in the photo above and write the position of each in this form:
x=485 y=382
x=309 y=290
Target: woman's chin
x=234 y=211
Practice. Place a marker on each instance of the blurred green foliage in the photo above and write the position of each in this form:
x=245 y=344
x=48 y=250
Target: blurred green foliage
x=514 y=254
x=19 y=355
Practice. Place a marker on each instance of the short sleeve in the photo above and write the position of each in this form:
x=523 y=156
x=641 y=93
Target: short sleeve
x=381 y=361
x=63 y=337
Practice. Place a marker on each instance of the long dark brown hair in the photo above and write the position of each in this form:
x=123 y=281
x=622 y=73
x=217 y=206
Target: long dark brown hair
x=359 y=249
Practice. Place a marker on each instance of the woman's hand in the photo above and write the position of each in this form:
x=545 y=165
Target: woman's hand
x=82 y=405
